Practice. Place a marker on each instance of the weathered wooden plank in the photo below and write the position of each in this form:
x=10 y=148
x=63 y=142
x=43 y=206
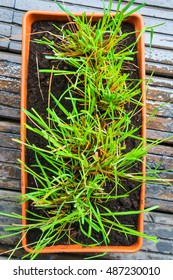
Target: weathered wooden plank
x=163 y=28
x=15 y=46
x=163 y=135
x=146 y=10
x=6 y=140
x=9 y=155
x=10 y=184
x=7 y=3
x=164 y=124
x=159 y=94
x=163 y=162
x=159 y=69
x=47 y=5
x=17 y=17
x=159 y=55
x=5 y=32
x=154 y=12
x=16 y=33
x=159 y=218
x=160 y=194
x=4 y=44
x=162 y=150
x=10 y=103
x=159 y=135
x=20 y=253
x=141 y=255
x=10 y=196
x=8 y=204
x=98 y=4
x=162 y=247
x=160 y=82
x=159 y=3
x=165 y=247
x=10 y=57
x=9 y=84
x=7 y=250
x=165 y=177
x=10 y=99
x=163 y=109
x=6 y=15
x=164 y=205
x=165 y=237
x=159 y=40
x=10 y=127
x=9 y=112
x=8 y=170
x=9 y=69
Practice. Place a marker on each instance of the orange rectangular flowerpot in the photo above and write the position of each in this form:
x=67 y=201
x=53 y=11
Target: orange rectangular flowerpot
x=29 y=18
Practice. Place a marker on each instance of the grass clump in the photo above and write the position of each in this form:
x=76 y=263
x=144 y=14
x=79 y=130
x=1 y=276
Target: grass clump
x=87 y=148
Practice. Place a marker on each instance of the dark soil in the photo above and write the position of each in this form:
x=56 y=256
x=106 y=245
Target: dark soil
x=37 y=53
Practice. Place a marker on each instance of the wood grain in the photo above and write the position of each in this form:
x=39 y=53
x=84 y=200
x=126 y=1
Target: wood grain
x=7 y=3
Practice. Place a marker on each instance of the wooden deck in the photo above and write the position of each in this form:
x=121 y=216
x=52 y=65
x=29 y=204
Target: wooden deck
x=160 y=91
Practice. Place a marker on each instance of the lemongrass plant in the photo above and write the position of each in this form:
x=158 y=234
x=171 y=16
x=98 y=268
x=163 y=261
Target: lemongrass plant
x=87 y=149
